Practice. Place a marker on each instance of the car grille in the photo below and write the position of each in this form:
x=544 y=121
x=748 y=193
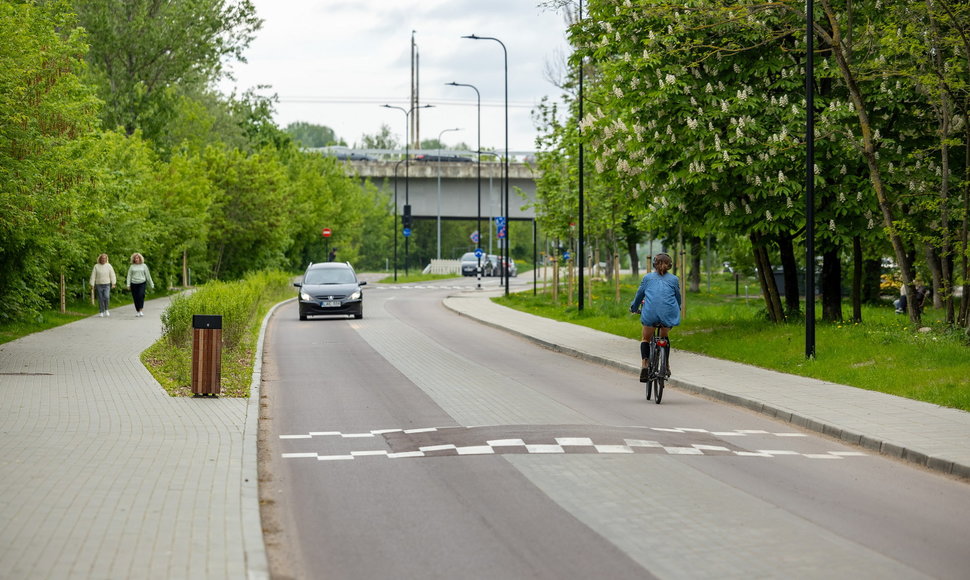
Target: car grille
x=330 y=296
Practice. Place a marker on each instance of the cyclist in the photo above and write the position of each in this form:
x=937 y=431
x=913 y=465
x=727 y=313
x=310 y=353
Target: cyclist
x=658 y=301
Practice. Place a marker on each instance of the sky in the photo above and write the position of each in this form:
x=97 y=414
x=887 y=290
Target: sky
x=335 y=62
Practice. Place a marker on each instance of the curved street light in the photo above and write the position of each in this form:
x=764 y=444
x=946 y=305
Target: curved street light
x=505 y=52
x=438 y=161
x=407 y=155
x=478 y=225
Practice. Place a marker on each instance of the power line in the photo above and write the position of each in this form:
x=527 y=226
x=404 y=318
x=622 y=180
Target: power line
x=380 y=100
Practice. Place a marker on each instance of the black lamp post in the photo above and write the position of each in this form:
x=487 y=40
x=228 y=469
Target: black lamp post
x=508 y=228
x=479 y=151
x=407 y=155
x=394 y=225
x=809 y=180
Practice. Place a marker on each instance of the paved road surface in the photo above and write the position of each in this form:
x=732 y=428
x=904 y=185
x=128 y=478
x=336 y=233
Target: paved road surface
x=419 y=444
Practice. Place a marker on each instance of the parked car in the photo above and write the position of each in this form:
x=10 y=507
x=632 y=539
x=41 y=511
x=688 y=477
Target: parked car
x=499 y=269
x=469 y=264
x=330 y=288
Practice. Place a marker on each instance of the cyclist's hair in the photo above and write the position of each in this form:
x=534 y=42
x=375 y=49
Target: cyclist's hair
x=664 y=260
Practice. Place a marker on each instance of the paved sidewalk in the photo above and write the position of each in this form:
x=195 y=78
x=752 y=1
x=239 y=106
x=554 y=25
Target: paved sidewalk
x=925 y=434
x=103 y=475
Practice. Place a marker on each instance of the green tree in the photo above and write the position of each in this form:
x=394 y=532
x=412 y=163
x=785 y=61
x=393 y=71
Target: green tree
x=145 y=53
x=310 y=135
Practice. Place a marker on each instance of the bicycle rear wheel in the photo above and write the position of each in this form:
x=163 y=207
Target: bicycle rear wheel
x=661 y=374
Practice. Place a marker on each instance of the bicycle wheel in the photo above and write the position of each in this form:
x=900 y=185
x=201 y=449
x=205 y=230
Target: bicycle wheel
x=661 y=373
x=652 y=361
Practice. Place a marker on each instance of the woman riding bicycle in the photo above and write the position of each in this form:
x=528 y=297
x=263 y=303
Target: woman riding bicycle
x=658 y=301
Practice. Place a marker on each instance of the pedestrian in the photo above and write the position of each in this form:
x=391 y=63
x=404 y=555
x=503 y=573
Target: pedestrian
x=138 y=277
x=103 y=279
x=332 y=257
x=658 y=302
x=901 y=302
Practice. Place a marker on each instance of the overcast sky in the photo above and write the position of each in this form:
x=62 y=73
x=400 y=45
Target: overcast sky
x=334 y=62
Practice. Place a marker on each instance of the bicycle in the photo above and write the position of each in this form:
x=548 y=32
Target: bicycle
x=659 y=371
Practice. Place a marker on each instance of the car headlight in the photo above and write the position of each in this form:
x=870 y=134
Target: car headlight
x=305 y=297
x=355 y=295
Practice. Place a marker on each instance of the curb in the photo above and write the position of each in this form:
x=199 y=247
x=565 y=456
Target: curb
x=254 y=548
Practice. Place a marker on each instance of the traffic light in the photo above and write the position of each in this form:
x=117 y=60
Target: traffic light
x=406 y=220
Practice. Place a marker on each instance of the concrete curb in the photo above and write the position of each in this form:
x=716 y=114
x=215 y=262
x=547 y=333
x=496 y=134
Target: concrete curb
x=254 y=548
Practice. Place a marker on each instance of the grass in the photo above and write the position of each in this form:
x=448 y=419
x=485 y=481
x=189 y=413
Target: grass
x=884 y=353
x=52 y=318
x=411 y=278
x=242 y=305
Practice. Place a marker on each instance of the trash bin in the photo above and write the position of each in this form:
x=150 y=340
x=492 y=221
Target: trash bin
x=206 y=354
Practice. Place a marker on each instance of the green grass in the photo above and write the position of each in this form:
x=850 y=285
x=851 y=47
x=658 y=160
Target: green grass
x=418 y=277
x=75 y=310
x=884 y=353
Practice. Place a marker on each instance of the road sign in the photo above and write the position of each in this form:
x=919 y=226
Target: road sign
x=406 y=232
x=474 y=237
x=500 y=221
x=326 y=232
x=479 y=253
x=565 y=255
x=501 y=232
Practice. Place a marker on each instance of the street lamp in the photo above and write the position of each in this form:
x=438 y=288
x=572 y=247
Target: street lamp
x=394 y=224
x=407 y=155
x=479 y=150
x=438 y=161
x=505 y=52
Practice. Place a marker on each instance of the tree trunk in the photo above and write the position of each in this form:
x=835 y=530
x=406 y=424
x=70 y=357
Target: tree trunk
x=769 y=290
x=838 y=47
x=695 y=264
x=63 y=294
x=871 y=281
x=789 y=265
x=857 y=279
x=831 y=286
x=936 y=273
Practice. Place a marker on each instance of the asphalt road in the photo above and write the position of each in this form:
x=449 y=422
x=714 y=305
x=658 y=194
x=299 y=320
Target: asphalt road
x=419 y=444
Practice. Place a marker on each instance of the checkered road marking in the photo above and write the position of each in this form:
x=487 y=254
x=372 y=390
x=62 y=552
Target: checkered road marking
x=538 y=440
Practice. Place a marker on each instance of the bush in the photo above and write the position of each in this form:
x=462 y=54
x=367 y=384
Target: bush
x=242 y=305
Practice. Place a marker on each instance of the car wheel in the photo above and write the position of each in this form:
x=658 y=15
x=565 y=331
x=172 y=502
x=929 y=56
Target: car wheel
x=302 y=315
x=359 y=316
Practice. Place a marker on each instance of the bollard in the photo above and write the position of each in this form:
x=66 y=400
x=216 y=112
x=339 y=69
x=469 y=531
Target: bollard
x=206 y=354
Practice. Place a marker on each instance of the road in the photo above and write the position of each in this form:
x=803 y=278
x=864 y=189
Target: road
x=416 y=443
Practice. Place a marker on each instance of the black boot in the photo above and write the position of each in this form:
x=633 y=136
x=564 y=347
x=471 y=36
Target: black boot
x=667 y=353
x=644 y=362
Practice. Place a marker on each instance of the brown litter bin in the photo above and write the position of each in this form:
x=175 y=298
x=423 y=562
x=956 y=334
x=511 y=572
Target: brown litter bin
x=206 y=354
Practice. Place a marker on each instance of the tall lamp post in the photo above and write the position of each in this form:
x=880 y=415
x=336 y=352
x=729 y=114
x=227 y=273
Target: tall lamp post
x=438 y=161
x=479 y=152
x=809 y=180
x=407 y=155
x=394 y=225
x=505 y=254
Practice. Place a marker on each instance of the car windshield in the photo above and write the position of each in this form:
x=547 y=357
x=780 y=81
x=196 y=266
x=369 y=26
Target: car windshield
x=469 y=257
x=329 y=276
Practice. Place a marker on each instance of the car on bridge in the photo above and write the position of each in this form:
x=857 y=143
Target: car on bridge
x=455 y=158
x=330 y=288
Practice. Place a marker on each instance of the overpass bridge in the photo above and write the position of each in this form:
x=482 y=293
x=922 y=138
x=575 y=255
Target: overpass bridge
x=447 y=188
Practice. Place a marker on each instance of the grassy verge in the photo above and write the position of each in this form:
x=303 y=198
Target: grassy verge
x=411 y=278
x=884 y=353
x=76 y=310
x=242 y=305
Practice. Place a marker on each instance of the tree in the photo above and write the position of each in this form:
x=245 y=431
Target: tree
x=310 y=135
x=144 y=53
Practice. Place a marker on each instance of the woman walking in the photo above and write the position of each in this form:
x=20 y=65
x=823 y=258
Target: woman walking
x=138 y=277
x=103 y=280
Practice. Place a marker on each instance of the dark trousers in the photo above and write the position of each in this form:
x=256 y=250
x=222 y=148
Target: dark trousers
x=138 y=295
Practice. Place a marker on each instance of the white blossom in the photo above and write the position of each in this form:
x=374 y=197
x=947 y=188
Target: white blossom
x=831 y=225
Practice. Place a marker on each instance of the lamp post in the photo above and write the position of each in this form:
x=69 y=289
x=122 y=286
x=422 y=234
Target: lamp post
x=505 y=52
x=809 y=180
x=394 y=225
x=438 y=161
x=478 y=149
x=407 y=155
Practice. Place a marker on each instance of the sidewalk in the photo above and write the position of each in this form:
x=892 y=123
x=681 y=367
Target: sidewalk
x=103 y=475
x=928 y=435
